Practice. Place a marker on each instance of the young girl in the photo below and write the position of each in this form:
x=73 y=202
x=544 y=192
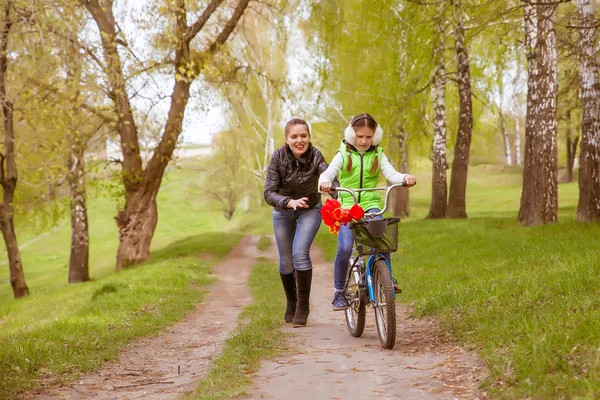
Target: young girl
x=357 y=164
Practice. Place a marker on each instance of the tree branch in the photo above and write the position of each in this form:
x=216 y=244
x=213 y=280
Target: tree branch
x=93 y=110
x=230 y=26
x=193 y=30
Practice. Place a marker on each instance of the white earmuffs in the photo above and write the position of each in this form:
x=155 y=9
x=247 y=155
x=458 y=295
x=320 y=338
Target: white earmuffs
x=350 y=135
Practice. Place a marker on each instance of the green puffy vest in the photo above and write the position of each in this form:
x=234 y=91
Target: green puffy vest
x=359 y=177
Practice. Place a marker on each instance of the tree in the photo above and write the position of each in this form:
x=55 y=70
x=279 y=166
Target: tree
x=223 y=173
x=439 y=186
x=255 y=91
x=588 y=207
x=460 y=164
x=400 y=197
x=539 y=198
x=137 y=220
x=8 y=167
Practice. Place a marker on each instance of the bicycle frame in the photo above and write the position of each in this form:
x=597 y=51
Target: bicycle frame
x=368 y=269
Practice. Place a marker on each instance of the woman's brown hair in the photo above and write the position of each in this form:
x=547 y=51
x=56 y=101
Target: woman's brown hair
x=293 y=122
x=359 y=121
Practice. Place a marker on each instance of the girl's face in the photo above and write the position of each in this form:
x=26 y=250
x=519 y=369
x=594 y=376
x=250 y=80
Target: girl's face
x=298 y=139
x=364 y=137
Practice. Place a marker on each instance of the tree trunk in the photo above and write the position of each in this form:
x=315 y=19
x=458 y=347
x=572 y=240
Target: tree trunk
x=137 y=221
x=460 y=164
x=8 y=167
x=539 y=200
x=502 y=123
x=517 y=109
x=531 y=32
x=588 y=207
x=439 y=186
x=571 y=146
x=517 y=139
x=399 y=196
x=506 y=138
x=79 y=260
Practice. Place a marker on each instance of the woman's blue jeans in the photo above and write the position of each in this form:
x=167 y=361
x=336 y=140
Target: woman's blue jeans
x=342 y=258
x=294 y=234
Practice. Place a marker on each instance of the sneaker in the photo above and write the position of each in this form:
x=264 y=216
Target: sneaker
x=397 y=290
x=339 y=301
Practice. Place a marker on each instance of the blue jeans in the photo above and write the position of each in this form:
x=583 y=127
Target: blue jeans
x=294 y=234
x=342 y=258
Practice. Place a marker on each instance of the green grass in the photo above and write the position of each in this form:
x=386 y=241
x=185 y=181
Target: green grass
x=526 y=299
x=62 y=330
x=183 y=212
x=264 y=243
x=256 y=338
x=58 y=336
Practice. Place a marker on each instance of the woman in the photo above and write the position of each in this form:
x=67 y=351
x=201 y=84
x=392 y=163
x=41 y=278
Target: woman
x=291 y=189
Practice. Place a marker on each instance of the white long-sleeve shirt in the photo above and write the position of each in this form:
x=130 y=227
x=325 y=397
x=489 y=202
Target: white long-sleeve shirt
x=390 y=173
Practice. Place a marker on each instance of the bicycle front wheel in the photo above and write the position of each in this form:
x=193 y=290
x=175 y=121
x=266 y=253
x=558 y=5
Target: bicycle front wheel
x=355 y=313
x=385 y=306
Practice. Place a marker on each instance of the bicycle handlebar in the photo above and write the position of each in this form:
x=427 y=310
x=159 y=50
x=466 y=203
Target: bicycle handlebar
x=353 y=193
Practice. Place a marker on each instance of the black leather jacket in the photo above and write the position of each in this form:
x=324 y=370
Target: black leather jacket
x=292 y=178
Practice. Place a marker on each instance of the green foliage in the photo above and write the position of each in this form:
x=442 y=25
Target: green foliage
x=373 y=62
x=105 y=289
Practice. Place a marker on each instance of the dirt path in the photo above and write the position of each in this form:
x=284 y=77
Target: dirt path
x=164 y=366
x=322 y=360
x=325 y=362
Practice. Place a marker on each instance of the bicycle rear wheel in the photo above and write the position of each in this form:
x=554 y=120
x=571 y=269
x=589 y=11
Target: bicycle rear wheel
x=385 y=306
x=355 y=313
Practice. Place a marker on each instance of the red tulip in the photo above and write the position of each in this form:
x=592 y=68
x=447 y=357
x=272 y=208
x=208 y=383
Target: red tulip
x=327 y=217
x=357 y=212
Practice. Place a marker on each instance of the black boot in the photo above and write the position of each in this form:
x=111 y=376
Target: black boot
x=304 y=279
x=289 y=285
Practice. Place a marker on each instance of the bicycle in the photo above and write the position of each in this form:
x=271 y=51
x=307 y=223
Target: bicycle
x=372 y=284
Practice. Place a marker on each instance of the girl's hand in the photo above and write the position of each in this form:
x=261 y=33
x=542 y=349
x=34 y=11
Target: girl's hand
x=326 y=187
x=300 y=203
x=410 y=180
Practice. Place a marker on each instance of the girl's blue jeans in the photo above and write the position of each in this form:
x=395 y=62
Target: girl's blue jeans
x=342 y=258
x=294 y=234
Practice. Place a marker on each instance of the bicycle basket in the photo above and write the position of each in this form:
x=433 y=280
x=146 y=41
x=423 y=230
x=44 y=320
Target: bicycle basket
x=378 y=234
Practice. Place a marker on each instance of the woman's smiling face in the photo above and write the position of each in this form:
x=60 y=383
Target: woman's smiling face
x=298 y=139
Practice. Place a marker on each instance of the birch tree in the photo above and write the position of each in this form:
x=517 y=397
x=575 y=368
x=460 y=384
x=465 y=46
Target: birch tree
x=439 y=186
x=588 y=207
x=539 y=198
x=458 y=183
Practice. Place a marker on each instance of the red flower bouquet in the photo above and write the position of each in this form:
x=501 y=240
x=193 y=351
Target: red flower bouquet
x=334 y=215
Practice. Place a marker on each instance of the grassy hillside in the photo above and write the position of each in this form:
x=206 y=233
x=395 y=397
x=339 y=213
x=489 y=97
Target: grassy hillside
x=61 y=330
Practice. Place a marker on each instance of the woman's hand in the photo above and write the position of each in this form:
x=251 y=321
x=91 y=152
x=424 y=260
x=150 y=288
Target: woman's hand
x=300 y=203
x=326 y=187
x=410 y=180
